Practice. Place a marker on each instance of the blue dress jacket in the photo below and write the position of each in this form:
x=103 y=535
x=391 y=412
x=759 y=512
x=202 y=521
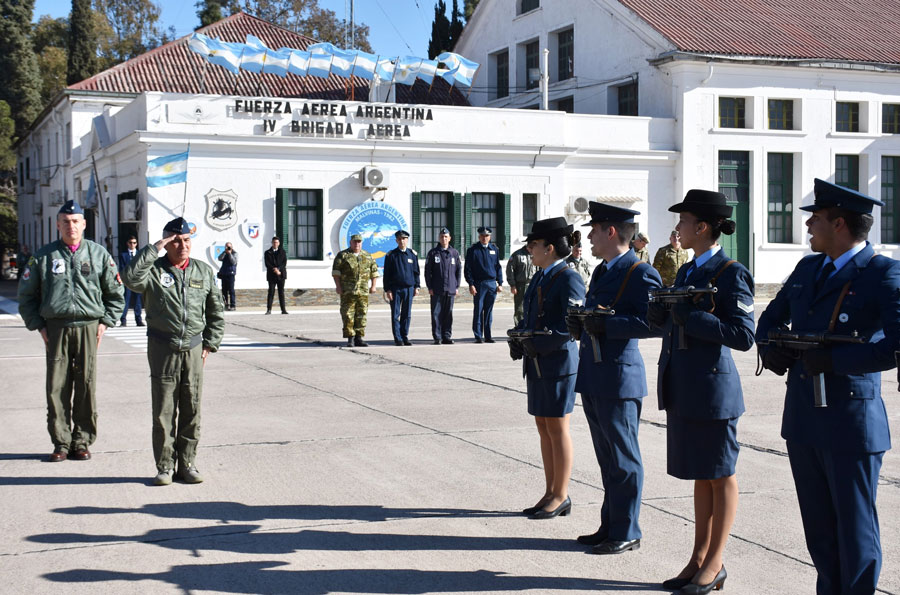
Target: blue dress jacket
x=702 y=382
x=401 y=269
x=557 y=353
x=855 y=419
x=483 y=264
x=620 y=374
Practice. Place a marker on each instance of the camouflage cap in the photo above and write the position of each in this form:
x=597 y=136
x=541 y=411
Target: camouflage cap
x=357 y=237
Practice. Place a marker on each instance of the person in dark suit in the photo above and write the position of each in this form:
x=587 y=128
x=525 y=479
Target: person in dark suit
x=276 y=272
x=551 y=361
x=401 y=285
x=484 y=275
x=836 y=451
x=612 y=389
x=442 y=275
x=698 y=384
x=132 y=299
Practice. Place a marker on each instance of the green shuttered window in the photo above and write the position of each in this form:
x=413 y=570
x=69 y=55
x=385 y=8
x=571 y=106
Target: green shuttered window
x=299 y=222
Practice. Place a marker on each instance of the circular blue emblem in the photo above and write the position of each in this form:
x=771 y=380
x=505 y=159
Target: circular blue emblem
x=376 y=222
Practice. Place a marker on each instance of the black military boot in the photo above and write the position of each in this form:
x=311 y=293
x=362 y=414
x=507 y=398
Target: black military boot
x=359 y=341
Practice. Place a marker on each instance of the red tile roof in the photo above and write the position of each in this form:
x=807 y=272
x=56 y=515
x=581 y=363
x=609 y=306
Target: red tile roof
x=174 y=68
x=852 y=30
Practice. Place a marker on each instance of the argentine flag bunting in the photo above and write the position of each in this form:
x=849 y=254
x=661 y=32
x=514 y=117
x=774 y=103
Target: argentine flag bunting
x=256 y=42
x=225 y=54
x=321 y=48
x=299 y=62
x=365 y=65
x=427 y=70
x=319 y=65
x=198 y=42
x=277 y=62
x=253 y=59
x=463 y=70
x=342 y=62
x=407 y=70
x=170 y=169
x=385 y=68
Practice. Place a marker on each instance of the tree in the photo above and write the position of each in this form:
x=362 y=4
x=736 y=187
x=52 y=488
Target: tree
x=20 y=81
x=440 y=31
x=305 y=17
x=8 y=213
x=470 y=8
x=82 y=56
x=456 y=24
x=50 y=38
x=128 y=29
x=210 y=11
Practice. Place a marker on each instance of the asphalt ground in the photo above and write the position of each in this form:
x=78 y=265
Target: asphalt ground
x=367 y=470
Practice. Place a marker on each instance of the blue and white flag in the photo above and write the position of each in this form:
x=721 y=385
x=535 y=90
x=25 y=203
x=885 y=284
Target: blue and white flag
x=321 y=48
x=385 y=68
x=299 y=62
x=365 y=65
x=276 y=62
x=407 y=70
x=342 y=62
x=90 y=195
x=319 y=65
x=256 y=42
x=198 y=42
x=225 y=54
x=253 y=59
x=170 y=169
x=463 y=70
x=427 y=70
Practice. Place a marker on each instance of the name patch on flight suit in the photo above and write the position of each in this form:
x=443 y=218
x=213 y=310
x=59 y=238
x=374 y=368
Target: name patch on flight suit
x=167 y=280
x=196 y=284
x=85 y=268
x=59 y=266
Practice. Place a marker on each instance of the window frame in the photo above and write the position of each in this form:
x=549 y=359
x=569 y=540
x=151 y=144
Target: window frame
x=890 y=122
x=846 y=122
x=630 y=103
x=286 y=232
x=565 y=63
x=784 y=216
x=890 y=196
x=736 y=113
x=846 y=171
x=785 y=116
x=526 y=221
x=532 y=60
x=501 y=82
x=526 y=6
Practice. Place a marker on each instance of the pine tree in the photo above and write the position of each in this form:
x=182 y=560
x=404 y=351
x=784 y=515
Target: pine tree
x=470 y=8
x=210 y=11
x=440 y=31
x=82 y=59
x=456 y=24
x=20 y=81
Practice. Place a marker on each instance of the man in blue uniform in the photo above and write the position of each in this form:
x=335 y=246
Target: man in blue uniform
x=612 y=388
x=442 y=275
x=836 y=451
x=132 y=299
x=401 y=284
x=485 y=278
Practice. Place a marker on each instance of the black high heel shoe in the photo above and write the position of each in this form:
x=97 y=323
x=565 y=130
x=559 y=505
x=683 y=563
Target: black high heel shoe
x=533 y=509
x=564 y=509
x=674 y=584
x=717 y=584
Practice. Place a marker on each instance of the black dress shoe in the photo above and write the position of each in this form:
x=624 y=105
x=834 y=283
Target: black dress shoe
x=717 y=584
x=594 y=538
x=406 y=342
x=140 y=323
x=532 y=509
x=447 y=341
x=268 y=312
x=123 y=323
x=478 y=340
x=611 y=546
x=489 y=340
x=398 y=342
x=437 y=341
x=564 y=509
x=673 y=584
x=285 y=312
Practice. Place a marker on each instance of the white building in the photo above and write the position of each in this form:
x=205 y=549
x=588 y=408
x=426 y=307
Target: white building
x=765 y=97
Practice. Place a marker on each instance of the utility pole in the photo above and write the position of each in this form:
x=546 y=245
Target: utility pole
x=352 y=27
x=545 y=80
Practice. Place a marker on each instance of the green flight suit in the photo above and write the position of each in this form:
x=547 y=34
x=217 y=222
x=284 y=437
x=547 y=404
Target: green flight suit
x=519 y=271
x=580 y=266
x=667 y=261
x=69 y=294
x=185 y=314
x=643 y=254
x=356 y=272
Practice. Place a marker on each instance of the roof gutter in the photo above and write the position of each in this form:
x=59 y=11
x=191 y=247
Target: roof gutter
x=682 y=56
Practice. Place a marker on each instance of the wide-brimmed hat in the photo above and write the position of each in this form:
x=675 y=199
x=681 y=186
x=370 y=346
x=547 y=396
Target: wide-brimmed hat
x=832 y=195
x=549 y=229
x=704 y=203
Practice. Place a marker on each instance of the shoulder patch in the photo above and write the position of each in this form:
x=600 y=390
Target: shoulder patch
x=748 y=308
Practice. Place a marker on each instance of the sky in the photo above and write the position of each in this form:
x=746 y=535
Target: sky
x=396 y=27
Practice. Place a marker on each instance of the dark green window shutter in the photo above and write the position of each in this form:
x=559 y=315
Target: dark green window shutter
x=507 y=231
x=467 y=225
x=417 y=222
x=320 y=215
x=282 y=218
x=458 y=227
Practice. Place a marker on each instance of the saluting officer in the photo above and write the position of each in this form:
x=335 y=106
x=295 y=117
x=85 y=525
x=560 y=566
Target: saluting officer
x=442 y=275
x=485 y=278
x=836 y=451
x=401 y=284
x=519 y=271
x=613 y=388
x=185 y=323
x=354 y=272
x=71 y=292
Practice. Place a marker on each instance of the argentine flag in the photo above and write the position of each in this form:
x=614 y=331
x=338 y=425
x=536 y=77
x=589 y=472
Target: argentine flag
x=299 y=62
x=462 y=70
x=365 y=65
x=170 y=169
x=225 y=54
x=319 y=65
x=277 y=62
x=385 y=68
x=253 y=59
x=342 y=62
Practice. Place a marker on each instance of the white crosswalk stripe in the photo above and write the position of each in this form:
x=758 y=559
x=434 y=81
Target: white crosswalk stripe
x=137 y=337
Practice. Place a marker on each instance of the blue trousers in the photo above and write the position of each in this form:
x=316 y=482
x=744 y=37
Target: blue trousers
x=614 y=430
x=132 y=299
x=400 y=307
x=836 y=492
x=483 y=316
x=442 y=315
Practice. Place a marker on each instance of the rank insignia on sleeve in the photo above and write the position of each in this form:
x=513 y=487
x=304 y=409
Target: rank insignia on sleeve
x=118 y=279
x=26 y=275
x=112 y=262
x=748 y=308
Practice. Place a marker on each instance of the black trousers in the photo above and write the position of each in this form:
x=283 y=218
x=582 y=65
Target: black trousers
x=228 y=290
x=272 y=284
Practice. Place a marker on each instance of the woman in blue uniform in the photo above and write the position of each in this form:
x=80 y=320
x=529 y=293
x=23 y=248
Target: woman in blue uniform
x=698 y=384
x=551 y=360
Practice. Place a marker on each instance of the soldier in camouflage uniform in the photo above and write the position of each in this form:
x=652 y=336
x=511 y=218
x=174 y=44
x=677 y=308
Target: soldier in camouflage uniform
x=639 y=244
x=669 y=259
x=71 y=292
x=185 y=323
x=576 y=262
x=519 y=271
x=354 y=273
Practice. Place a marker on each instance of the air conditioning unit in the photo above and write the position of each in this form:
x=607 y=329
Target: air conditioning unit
x=56 y=198
x=375 y=177
x=578 y=205
x=45 y=177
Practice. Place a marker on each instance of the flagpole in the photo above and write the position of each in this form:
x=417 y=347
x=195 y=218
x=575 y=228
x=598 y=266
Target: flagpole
x=100 y=201
x=472 y=82
x=184 y=197
x=391 y=85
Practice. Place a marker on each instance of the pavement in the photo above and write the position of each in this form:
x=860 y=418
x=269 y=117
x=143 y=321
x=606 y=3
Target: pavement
x=366 y=470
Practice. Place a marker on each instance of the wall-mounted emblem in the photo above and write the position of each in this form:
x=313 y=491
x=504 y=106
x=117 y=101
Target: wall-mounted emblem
x=252 y=229
x=377 y=222
x=221 y=209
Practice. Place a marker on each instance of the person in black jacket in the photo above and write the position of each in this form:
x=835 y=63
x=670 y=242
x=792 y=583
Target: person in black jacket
x=443 y=271
x=227 y=272
x=276 y=273
x=401 y=284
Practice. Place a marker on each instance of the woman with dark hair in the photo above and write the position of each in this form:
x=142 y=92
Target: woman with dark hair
x=551 y=358
x=698 y=384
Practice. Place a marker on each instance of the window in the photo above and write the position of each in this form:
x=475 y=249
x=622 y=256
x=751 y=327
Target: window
x=566 y=105
x=890 y=118
x=627 y=96
x=846 y=171
x=731 y=112
x=781 y=114
x=528 y=5
x=68 y=140
x=298 y=222
x=529 y=212
x=502 y=71
x=489 y=209
x=890 y=195
x=432 y=211
x=21 y=176
x=532 y=51
x=780 y=198
x=847 y=119
x=566 y=54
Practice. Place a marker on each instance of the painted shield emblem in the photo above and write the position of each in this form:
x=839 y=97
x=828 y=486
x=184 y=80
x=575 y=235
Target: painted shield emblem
x=221 y=209
x=252 y=228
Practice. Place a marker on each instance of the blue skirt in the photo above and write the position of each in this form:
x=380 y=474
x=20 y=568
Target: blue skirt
x=701 y=448
x=551 y=397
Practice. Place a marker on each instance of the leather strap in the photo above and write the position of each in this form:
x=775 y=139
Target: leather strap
x=837 y=307
x=712 y=283
x=624 y=284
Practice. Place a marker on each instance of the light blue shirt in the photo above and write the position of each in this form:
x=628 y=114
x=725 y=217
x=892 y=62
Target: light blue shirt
x=843 y=258
x=610 y=264
x=703 y=259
